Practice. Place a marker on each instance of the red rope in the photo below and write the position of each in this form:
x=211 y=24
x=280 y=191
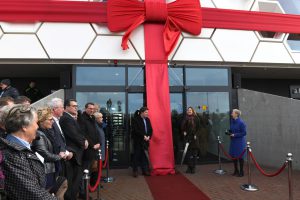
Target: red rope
x=263 y=172
x=106 y=157
x=229 y=156
x=93 y=188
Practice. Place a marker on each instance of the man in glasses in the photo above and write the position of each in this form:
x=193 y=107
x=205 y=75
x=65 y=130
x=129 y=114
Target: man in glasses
x=76 y=143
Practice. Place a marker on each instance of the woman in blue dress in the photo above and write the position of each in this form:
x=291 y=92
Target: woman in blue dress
x=238 y=141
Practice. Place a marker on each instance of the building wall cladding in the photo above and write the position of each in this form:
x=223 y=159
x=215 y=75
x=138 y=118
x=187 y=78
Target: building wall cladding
x=75 y=41
x=272 y=126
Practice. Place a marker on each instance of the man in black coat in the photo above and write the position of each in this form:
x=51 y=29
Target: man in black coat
x=141 y=133
x=88 y=126
x=76 y=143
x=7 y=89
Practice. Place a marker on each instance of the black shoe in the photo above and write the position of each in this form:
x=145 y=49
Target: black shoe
x=193 y=171
x=241 y=174
x=235 y=173
x=146 y=173
x=135 y=174
x=188 y=170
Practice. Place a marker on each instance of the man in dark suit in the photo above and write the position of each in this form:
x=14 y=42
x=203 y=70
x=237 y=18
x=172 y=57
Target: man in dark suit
x=57 y=107
x=141 y=133
x=76 y=142
x=88 y=126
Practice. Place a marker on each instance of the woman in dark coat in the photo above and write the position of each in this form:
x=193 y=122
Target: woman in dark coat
x=238 y=141
x=191 y=130
x=46 y=147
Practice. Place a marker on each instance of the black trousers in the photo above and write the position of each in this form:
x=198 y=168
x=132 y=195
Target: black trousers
x=192 y=155
x=74 y=173
x=139 y=158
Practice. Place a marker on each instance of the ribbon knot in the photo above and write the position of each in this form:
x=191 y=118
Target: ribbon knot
x=155 y=11
x=180 y=15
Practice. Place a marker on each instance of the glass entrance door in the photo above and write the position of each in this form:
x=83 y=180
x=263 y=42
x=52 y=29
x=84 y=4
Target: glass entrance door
x=213 y=110
x=113 y=108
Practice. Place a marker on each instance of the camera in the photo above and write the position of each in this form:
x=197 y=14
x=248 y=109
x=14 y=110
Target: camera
x=228 y=132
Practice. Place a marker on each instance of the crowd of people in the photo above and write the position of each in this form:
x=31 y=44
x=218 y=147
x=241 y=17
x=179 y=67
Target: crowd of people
x=46 y=150
x=43 y=152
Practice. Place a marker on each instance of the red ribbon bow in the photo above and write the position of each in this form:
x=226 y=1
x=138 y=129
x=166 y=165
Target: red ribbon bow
x=180 y=15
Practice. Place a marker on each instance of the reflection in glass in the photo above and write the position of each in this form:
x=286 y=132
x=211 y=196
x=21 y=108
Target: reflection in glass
x=176 y=116
x=175 y=76
x=135 y=76
x=213 y=110
x=100 y=76
x=112 y=105
x=206 y=77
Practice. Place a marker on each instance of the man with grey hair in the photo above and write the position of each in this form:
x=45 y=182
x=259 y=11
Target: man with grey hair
x=57 y=107
x=3 y=113
x=24 y=172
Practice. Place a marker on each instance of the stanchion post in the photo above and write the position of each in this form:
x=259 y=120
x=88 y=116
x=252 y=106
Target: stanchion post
x=86 y=179
x=219 y=171
x=108 y=179
x=249 y=187
x=290 y=173
x=99 y=186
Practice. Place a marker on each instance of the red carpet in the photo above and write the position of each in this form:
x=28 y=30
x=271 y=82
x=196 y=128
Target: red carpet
x=174 y=187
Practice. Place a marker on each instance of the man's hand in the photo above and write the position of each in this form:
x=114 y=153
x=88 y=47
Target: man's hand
x=96 y=146
x=232 y=135
x=69 y=156
x=146 y=138
x=86 y=144
x=62 y=155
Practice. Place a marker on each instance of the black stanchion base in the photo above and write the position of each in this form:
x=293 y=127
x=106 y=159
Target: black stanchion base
x=220 y=171
x=249 y=187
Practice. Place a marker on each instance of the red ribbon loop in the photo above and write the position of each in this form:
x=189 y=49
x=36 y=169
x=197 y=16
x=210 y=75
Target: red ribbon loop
x=156 y=11
x=180 y=15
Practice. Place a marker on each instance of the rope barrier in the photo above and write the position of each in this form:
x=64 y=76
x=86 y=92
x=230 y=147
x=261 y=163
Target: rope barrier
x=263 y=172
x=229 y=156
x=106 y=158
x=93 y=188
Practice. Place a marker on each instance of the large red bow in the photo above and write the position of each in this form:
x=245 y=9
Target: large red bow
x=180 y=15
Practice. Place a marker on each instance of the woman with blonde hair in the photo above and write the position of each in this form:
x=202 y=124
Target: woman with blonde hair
x=45 y=145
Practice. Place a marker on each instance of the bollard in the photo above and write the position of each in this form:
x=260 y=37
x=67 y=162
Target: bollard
x=99 y=186
x=108 y=179
x=249 y=187
x=290 y=178
x=219 y=171
x=86 y=179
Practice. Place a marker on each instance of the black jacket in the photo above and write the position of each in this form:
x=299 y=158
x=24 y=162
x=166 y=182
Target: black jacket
x=139 y=131
x=191 y=125
x=74 y=136
x=10 y=92
x=60 y=138
x=45 y=148
x=24 y=173
x=88 y=126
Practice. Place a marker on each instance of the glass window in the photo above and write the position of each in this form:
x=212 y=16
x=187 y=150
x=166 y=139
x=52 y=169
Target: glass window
x=213 y=111
x=175 y=76
x=100 y=76
x=114 y=102
x=206 y=77
x=135 y=76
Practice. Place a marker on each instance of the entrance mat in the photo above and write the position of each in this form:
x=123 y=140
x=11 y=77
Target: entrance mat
x=174 y=187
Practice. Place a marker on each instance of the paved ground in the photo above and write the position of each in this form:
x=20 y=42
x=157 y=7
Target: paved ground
x=225 y=187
